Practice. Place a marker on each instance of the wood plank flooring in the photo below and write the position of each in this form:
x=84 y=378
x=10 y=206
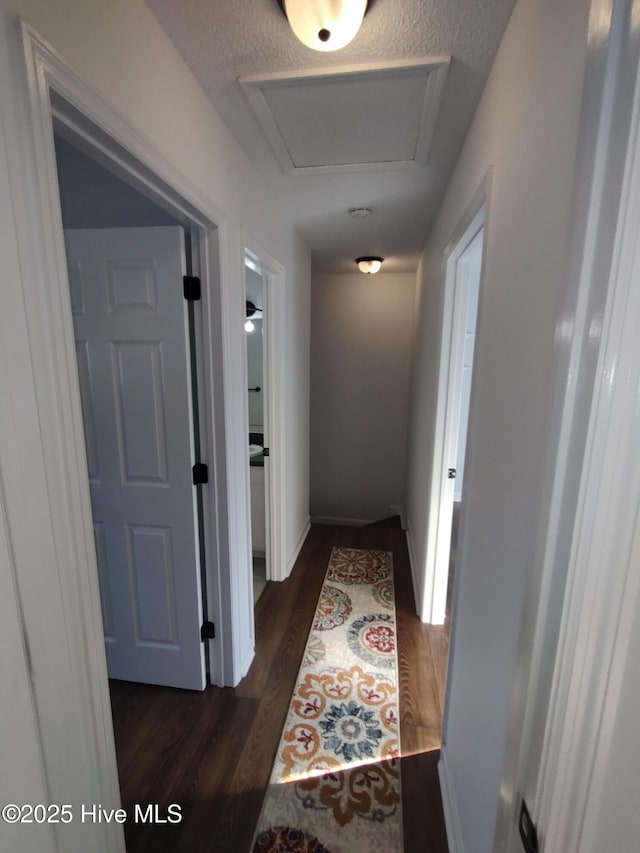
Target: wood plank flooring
x=212 y=752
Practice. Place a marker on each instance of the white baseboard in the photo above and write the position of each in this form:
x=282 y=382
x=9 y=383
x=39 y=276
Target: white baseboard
x=414 y=566
x=340 y=520
x=245 y=664
x=298 y=546
x=449 y=805
x=399 y=510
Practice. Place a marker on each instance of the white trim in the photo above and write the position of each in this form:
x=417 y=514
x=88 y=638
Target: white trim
x=47 y=67
x=234 y=350
x=413 y=563
x=533 y=758
x=135 y=156
x=354 y=71
x=350 y=168
x=432 y=606
x=298 y=546
x=431 y=108
x=437 y=67
x=600 y=605
x=449 y=806
x=246 y=661
x=273 y=274
x=399 y=510
x=214 y=251
x=342 y=520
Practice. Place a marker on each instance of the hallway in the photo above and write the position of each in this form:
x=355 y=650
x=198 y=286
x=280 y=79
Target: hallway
x=211 y=753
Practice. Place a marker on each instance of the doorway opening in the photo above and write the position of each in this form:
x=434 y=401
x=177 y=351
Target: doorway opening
x=57 y=99
x=463 y=272
x=257 y=391
x=128 y=263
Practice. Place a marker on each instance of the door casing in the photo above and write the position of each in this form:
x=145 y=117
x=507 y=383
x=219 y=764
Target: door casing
x=432 y=608
x=44 y=88
x=272 y=274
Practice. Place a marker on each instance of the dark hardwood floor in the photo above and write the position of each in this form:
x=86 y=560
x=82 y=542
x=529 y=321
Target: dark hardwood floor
x=212 y=752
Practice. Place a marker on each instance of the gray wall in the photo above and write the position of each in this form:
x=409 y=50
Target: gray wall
x=526 y=126
x=361 y=329
x=92 y=197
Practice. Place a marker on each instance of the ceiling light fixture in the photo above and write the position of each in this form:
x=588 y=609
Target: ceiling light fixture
x=325 y=24
x=251 y=311
x=369 y=264
x=359 y=212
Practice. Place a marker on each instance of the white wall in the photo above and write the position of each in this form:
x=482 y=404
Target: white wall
x=361 y=329
x=526 y=127
x=119 y=50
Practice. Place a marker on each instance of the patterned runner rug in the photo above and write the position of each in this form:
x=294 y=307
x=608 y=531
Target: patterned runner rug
x=335 y=784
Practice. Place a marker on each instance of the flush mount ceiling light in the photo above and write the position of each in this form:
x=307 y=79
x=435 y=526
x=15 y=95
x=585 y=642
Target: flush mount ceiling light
x=369 y=264
x=325 y=24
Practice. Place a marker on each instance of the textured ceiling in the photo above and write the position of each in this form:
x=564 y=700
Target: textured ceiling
x=223 y=40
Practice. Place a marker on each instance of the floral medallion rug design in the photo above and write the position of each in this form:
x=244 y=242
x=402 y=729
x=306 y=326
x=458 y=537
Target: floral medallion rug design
x=335 y=784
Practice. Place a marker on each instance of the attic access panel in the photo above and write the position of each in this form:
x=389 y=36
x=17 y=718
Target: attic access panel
x=345 y=118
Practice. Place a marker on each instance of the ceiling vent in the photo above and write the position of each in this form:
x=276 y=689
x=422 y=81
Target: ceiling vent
x=349 y=118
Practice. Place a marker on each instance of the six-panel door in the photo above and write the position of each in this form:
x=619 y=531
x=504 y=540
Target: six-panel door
x=132 y=350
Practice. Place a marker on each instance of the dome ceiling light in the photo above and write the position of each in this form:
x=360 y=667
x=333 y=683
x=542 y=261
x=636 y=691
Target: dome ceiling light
x=369 y=264
x=325 y=24
x=359 y=212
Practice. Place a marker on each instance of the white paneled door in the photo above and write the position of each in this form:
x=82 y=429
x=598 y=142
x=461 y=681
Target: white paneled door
x=131 y=331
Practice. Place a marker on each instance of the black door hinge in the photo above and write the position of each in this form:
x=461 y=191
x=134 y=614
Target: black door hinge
x=451 y=474
x=191 y=287
x=265 y=451
x=200 y=474
x=527 y=829
x=208 y=631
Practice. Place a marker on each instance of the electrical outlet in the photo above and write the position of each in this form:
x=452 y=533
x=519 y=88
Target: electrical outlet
x=528 y=832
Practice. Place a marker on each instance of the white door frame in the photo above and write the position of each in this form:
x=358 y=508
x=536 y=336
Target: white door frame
x=602 y=580
x=73 y=611
x=90 y=124
x=572 y=651
x=432 y=608
x=272 y=274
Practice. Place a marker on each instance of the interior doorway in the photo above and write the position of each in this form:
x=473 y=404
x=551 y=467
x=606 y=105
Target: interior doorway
x=127 y=259
x=257 y=395
x=463 y=272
